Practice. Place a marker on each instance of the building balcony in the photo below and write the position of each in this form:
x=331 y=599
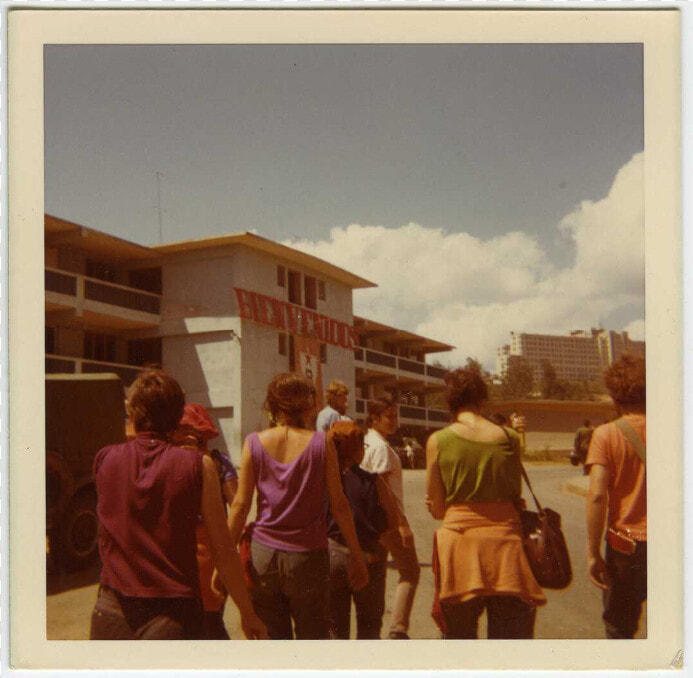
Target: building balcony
x=376 y=365
x=58 y=364
x=411 y=415
x=100 y=303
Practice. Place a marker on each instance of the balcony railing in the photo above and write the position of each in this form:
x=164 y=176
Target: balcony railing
x=424 y=416
x=60 y=365
x=437 y=372
x=91 y=289
x=118 y=295
x=405 y=365
x=63 y=283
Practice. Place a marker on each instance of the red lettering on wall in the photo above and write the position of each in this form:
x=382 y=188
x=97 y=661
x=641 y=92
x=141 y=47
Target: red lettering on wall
x=354 y=338
x=292 y=313
x=245 y=308
x=279 y=319
x=265 y=304
x=285 y=316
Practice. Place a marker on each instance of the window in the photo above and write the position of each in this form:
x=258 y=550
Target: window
x=295 y=287
x=144 y=351
x=281 y=346
x=147 y=279
x=323 y=353
x=99 y=347
x=100 y=270
x=51 y=339
x=292 y=354
x=311 y=291
x=281 y=276
x=321 y=290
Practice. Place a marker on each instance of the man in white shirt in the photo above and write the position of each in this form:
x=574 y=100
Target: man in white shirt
x=380 y=458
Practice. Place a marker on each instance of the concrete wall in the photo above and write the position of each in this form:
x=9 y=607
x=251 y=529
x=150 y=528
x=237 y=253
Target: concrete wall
x=226 y=363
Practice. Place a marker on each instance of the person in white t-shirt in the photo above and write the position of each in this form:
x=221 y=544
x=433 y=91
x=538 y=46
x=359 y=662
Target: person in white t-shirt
x=337 y=398
x=380 y=458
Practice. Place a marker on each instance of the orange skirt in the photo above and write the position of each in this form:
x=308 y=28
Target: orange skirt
x=480 y=553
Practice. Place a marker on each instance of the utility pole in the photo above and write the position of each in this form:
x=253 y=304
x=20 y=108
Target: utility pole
x=158 y=204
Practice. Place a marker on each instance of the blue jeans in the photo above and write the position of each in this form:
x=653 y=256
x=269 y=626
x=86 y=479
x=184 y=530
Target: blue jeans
x=291 y=586
x=627 y=591
x=369 y=601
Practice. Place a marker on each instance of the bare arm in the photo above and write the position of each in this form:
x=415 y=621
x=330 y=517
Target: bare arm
x=224 y=553
x=341 y=511
x=387 y=501
x=597 y=497
x=242 y=502
x=229 y=490
x=435 y=489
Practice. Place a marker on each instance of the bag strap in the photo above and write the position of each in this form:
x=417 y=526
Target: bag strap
x=633 y=438
x=523 y=471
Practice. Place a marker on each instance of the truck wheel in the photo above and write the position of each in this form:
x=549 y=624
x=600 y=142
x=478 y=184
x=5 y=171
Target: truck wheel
x=79 y=534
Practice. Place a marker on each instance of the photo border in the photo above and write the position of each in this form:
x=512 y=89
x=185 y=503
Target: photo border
x=657 y=29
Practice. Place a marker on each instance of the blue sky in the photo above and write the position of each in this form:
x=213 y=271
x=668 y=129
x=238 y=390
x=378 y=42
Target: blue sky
x=499 y=162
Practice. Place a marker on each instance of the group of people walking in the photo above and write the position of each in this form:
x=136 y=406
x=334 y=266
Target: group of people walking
x=329 y=511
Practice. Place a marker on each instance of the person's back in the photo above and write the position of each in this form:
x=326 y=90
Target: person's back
x=149 y=496
x=289 y=466
x=479 y=465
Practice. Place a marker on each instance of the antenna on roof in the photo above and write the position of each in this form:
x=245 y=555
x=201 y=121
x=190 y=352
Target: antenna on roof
x=158 y=204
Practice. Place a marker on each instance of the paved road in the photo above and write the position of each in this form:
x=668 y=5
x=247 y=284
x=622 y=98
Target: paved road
x=573 y=613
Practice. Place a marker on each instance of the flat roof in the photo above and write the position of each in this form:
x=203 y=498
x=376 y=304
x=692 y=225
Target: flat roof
x=62 y=232
x=270 y=247
x=371 y=328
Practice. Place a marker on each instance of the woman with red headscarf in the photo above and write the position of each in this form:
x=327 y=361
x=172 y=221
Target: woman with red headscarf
x=195 y=431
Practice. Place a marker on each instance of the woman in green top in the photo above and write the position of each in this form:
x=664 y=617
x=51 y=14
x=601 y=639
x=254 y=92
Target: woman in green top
x=473 y=483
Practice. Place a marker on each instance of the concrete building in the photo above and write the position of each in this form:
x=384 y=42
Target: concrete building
x=222 y=315
x=578 y=356
x=390 y=360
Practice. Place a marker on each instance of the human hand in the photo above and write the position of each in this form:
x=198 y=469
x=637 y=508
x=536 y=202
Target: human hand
x=406 y=535
x=357 y=573
x=217 y=584
x=518 y=422
x=598 y=574
x=253 y=627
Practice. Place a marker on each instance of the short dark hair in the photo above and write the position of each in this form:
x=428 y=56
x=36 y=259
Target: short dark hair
x=626 y=380
x=465 y=386
x=289 y=396
x=348 y=440
x=155 y=402
x=377 y=406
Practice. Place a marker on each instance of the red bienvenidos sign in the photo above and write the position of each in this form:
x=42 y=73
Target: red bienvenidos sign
x=295 y=319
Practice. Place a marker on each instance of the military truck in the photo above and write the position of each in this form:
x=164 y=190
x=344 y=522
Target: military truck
x=84 y=412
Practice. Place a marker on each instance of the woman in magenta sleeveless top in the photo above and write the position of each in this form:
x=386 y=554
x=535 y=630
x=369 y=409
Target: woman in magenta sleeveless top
x=150 y=494
x=295 y=471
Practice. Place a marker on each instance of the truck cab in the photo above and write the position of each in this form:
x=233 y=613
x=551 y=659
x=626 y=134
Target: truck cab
x=84 y=412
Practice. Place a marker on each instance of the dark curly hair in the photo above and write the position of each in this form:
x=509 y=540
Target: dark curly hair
x=289 y=396
x=377 y=406
x=626 y=380
x=155 y=402
x=465 y=387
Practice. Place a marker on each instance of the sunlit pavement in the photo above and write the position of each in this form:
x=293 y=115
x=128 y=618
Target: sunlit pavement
x=572 y=613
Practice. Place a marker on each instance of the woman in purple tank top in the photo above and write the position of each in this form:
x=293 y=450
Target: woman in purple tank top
x=295 y=471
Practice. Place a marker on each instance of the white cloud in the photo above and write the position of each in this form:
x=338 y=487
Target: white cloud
x=471 y=292
x=636 y=330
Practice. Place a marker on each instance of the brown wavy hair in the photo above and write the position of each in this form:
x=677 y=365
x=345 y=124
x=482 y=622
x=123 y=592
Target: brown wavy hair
x=377 y=406
x=348 y=440
x=626 y=380
x=465 y=387
x=336 y=388
x=289 y=396
x=155 y=402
